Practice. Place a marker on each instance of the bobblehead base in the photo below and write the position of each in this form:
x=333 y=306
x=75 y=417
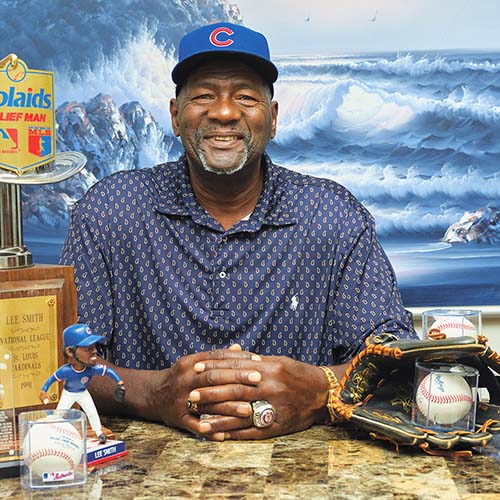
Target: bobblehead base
x=98 y=453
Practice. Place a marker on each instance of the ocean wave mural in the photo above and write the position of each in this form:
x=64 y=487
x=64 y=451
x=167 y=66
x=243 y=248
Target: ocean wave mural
x=415 y=135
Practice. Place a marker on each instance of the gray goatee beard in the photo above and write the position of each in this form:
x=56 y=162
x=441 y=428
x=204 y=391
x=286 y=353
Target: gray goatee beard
x=221 y=171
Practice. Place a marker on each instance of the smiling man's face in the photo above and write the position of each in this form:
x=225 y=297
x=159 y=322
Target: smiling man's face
x=224 y=116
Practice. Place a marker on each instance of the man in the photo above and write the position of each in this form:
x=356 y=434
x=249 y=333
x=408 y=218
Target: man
x=80 y=350
x=221 y=281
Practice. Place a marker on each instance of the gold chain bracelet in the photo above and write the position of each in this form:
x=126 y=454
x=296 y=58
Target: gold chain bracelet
x=333 y=386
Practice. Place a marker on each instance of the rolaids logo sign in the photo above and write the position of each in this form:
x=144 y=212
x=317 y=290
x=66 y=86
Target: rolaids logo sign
x=27 y=117
x=29 y=99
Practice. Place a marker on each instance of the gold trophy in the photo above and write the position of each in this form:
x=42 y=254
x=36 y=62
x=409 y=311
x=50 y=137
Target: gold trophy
x=36 y=301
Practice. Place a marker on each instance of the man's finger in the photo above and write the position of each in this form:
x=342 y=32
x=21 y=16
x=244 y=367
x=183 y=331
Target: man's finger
x=251 y=433
x=228 y=408
x=232 y=353
x=228 y=376
x=222 y=424
x=222 y=393
x=233 y=364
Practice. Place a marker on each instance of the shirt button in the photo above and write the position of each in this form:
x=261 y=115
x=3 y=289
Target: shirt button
x=222 y=274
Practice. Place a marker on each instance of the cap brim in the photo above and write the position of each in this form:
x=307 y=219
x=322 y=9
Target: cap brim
x=266 y=69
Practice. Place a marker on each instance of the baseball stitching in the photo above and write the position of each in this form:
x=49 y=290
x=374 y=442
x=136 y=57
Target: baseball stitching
x=459 y=326
x=65 y=431
x=446 y=398
x=49 y=452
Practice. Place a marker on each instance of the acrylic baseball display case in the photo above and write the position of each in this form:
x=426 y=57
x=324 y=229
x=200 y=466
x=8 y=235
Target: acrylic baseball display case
x=53 y=446
x=446 y=323
x=445 y=396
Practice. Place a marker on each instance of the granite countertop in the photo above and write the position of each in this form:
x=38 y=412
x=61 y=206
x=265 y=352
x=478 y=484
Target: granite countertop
x=320 y=463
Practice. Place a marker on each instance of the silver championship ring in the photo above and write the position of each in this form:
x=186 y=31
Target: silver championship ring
x=263 y=413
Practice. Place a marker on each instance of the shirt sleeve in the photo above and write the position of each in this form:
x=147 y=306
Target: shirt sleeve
x=48 y=383
x=112 y=374
x=86 y=250
x=57 y=376
x=107 y=371
x=366 y=297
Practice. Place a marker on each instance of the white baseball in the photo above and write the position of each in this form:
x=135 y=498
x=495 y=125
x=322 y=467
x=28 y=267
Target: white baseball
x=454 y=326
x=444 y=398
x=52 y=447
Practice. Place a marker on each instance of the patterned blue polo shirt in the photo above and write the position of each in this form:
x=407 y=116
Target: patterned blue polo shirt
x=159 y=278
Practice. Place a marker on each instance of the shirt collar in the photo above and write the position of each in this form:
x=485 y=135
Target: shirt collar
x=275 y=206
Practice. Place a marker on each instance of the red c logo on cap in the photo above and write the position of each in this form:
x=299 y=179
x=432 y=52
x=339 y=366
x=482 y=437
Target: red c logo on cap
x=221 y=43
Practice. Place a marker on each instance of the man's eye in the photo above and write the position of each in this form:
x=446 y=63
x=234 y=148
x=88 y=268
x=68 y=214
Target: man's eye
x=248 y=100
x=202 y=97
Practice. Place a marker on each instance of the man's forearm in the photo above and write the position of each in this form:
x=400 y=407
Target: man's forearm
x=139 y=393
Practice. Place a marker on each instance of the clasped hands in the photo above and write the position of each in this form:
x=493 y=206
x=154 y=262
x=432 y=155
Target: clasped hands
x=223 y=383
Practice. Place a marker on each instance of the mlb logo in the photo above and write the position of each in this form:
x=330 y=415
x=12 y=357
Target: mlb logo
x=40 y=142
x=57 y=476
x=9 y=140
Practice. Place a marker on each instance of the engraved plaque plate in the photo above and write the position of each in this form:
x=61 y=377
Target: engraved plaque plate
x=28 y=327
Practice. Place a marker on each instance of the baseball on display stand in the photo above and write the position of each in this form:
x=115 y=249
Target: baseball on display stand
x=454 y=326
x=444 y=398
x=50 y=447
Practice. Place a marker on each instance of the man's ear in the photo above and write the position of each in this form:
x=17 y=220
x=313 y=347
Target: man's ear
x=174 y=112
x=274 y=115
x=68 y=352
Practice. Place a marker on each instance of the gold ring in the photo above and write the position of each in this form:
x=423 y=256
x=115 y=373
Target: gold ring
x=192 y=406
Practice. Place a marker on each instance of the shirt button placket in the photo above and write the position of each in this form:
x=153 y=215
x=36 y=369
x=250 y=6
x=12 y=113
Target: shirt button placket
x=220 y=277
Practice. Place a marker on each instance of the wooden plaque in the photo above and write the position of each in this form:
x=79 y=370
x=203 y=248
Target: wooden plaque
x=36 y=304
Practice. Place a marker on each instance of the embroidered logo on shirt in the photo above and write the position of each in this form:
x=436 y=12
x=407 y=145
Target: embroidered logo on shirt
x=295 y=303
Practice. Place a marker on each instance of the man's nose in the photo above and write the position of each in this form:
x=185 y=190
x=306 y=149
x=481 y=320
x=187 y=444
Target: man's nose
x=224 y=109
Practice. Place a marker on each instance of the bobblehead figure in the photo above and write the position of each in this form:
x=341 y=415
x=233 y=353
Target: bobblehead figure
x=80 y=350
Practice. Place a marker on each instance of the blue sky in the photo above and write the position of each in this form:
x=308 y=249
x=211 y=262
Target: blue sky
x=345 y=26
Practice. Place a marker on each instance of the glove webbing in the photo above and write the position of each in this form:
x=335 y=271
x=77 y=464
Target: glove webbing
x=366 y=371
x=371 y=349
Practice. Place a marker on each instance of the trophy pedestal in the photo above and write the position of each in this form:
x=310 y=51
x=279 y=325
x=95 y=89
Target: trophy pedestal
x=36 y=304
x=15 y=257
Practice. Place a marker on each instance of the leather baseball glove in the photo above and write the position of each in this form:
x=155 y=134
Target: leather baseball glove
x=376 y=392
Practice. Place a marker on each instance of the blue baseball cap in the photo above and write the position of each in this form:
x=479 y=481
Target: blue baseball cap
x=224 y=39
x=80 y=335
